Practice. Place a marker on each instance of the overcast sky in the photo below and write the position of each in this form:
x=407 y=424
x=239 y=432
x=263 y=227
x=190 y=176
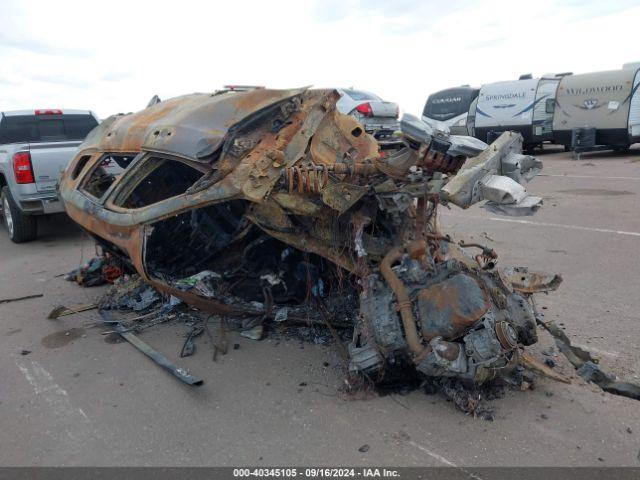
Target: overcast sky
x=113 y=56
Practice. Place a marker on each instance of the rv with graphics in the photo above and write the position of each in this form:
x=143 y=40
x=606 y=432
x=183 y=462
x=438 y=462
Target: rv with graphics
x=608 y=102
x=448 y=109
x=524 y=106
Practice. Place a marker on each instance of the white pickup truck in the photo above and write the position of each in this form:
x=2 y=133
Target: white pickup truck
x=35 y=147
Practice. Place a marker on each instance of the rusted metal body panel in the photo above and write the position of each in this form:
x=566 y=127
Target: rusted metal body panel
x=277 y=201
x=191 y=126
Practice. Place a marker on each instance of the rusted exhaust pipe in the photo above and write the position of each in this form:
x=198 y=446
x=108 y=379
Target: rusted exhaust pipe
x=416 y=248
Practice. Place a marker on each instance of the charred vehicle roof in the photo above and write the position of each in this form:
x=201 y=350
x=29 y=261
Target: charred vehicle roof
x=271 y=203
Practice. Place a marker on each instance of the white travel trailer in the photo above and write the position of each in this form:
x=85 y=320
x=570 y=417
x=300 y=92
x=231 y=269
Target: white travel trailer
x=608 y=102
x=448 y=109
x=525 y=106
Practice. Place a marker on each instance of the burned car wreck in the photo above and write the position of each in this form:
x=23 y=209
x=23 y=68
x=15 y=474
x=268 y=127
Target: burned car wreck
x=270 y=203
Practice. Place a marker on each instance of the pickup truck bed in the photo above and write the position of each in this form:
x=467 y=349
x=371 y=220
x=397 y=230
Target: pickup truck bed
x=35 y=148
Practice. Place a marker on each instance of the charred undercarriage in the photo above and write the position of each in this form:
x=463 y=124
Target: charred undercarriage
x=272 y=204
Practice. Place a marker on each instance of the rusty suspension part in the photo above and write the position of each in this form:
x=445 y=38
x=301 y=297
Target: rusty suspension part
x=314 y=179
x=437 y=161
x=303 y=179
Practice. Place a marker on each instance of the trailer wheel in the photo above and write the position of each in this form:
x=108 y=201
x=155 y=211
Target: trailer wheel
x=20 y=227
x=567 y=148
x=621 y=148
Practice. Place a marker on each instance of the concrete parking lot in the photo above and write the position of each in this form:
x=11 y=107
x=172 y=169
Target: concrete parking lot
x=77 y=399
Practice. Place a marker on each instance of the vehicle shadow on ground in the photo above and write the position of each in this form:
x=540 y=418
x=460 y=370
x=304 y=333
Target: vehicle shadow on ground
x=633 y=153
x=52 y=228
x=548 y=150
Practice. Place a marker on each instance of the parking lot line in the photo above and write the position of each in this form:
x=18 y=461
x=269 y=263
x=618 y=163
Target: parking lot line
x=61 y=411
x=432 y=454
x=544 y=224
x=597 y=177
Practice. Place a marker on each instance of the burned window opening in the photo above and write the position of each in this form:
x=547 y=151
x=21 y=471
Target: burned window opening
x=105 y=173
x=160 y=179
x=80 y=166
x=291 y=276
x=199 y=248
x=181 y=246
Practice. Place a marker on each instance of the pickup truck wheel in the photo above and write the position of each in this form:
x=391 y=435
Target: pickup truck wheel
x=20 y=227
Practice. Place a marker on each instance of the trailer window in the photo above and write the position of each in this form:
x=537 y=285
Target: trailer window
x=45 y=128
x=445 y=108
x=550 y=103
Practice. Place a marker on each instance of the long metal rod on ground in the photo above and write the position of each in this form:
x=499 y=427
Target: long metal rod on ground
x=179 y=372
x=17 y=299
x=61 y=310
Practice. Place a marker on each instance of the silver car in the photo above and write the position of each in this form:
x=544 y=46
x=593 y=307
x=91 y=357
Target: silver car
x=379 y=118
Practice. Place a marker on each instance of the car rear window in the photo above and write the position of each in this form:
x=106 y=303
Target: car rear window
x=45 y=128
x=360 y=95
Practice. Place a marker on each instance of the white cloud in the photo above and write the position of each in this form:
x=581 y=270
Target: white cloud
x=113 y=56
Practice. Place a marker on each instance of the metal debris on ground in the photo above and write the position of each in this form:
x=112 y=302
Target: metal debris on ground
x=254 y=333
x=130 y=292
x=18 y=299
x=269 y=207
x=61 y=310
x=586 y=366
x=468 y=400
x=97 y=271
x=181 y=373
x=137 y=306
x=189 y=347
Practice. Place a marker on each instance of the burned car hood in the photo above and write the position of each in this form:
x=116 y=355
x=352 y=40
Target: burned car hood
x=190 y=126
